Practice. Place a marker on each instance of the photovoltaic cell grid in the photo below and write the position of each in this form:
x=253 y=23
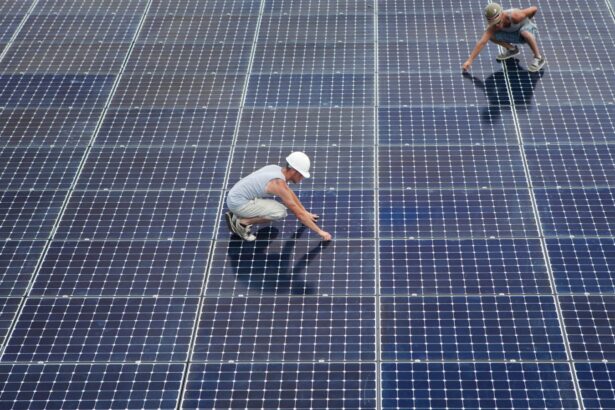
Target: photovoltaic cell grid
x=472 y=214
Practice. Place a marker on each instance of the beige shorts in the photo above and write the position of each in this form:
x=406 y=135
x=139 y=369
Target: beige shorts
x=264 y=208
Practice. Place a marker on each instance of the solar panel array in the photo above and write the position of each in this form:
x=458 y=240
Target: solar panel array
x=473 y=215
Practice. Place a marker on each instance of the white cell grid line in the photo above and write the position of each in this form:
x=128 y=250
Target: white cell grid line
x=376 y=142
x=67 y=197
x=18 y=30
x=541 y=237
x=220 y=208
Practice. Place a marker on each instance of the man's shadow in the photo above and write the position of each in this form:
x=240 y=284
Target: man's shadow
x=269 y=271
x=522 y=82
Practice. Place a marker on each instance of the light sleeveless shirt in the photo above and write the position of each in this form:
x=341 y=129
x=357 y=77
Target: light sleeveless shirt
x=513 y=26
x=253 y=186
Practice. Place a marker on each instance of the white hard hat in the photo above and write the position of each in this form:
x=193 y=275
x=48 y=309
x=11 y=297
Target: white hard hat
x=299 y=161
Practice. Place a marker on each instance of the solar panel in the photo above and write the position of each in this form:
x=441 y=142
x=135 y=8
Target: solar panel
x=472 y=214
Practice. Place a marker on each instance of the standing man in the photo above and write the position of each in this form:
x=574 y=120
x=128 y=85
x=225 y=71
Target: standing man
x=247 y=205
x=508 y=27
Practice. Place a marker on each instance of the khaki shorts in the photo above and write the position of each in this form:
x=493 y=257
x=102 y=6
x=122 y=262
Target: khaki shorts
x=264 y=208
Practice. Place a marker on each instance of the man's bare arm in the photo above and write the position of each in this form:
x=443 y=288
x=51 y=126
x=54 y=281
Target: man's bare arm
x=279 y=188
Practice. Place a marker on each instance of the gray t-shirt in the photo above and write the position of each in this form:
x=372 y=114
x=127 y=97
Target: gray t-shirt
x=253 y=186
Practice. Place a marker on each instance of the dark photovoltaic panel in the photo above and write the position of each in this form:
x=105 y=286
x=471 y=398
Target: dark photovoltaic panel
x=593 y=212
x=572 y=165
x=448 y=167
x=38 y=168
x=589 y=322
x=471 y=328
x=47 y=126
x=456 y=214
x=445 y=126
x=477 y=385
x=154 y=168
x=583 y=265
x=29 y=214
x=18 y=261
x=292 y=267
x=168 y=126
x=139 y=215
x=122 y=268
x=90 y=385
x=266 y=328
x=8 y=309
x=307 y=127
x=295 y=385
x=472 y=214
x=102 y=329
x=462 y=267
x=597 y=383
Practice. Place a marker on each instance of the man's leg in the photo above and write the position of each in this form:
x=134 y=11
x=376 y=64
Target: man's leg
x=531 y=41
x=504 y=44
x=254 y=221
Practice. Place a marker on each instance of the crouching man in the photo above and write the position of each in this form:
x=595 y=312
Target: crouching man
x=248 y=205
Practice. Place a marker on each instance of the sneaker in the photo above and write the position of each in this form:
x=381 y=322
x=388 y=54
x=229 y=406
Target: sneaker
x=506 y=54
x=243 y=231
x=537 y=64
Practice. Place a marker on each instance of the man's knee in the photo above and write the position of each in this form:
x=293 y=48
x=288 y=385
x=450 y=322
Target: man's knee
x=279 y=212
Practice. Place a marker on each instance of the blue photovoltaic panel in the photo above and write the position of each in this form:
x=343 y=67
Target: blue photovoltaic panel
x=572 y=165
x=89 y=7
x=432 y=90
x=477 y=385
x=292 y=267
x=29 y=214
x=295 y=385
x=139 y=215
x=122 y=268
x=323 y=28
x=186 y=91
x=442 y=25
x=290 y=329
x=102 y=329
x=8 y=309
x=451 y=167
x=462 y=267
x=17 y=265
x=189 y=58
x=90 y=385
x=323 y=57
x=471 y=328
x=306 y=127
x=583 y=265
x=456 y=214
x=577 y=124
x=589 y=321
x=445 y=126
x=107 y=28
x=48 y=126
x=154 y=168
x=168 y=126
x=198 y=28
x=200 y=7
x=339 y=7
x=597 y=383
x=38 y=168
x=329 y=90
x=53 y=91
x=593 y=212
x=83 y=58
